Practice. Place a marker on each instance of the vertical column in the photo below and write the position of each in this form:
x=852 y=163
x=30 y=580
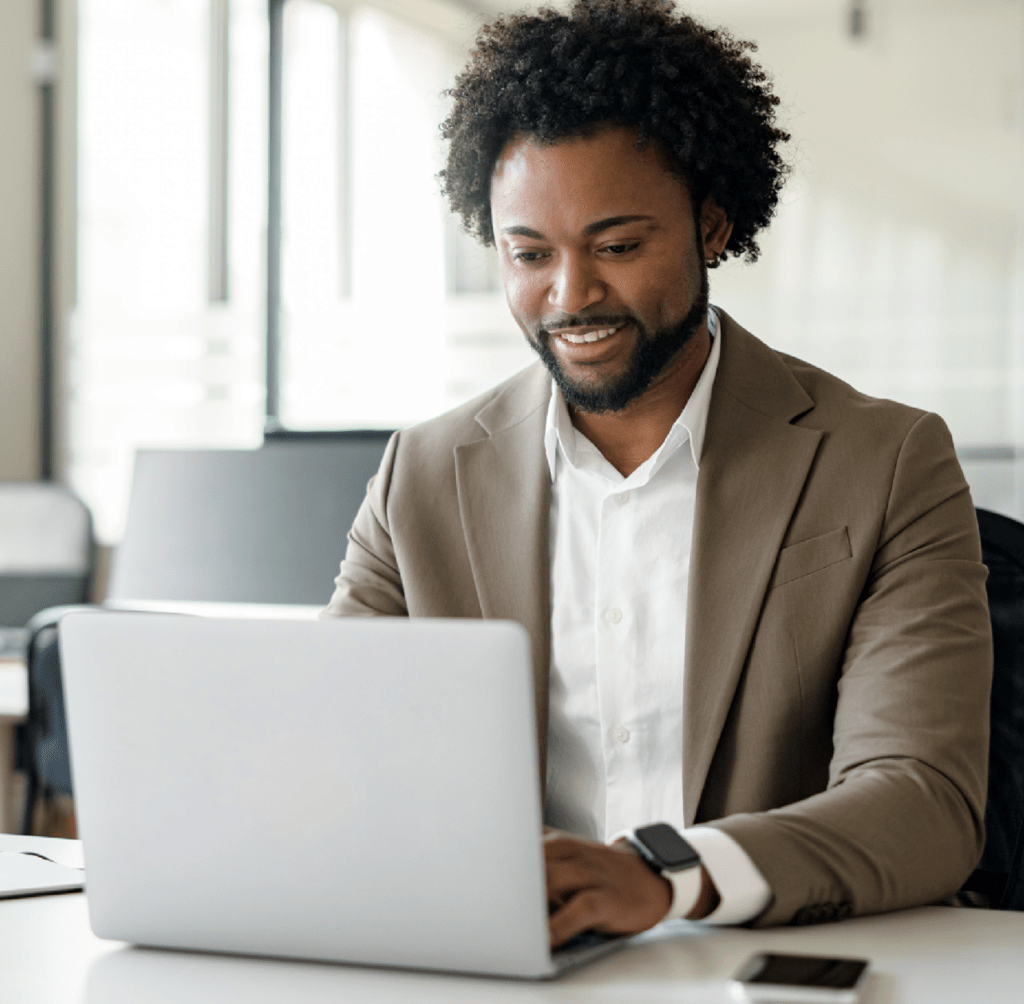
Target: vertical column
x=1017 y=288
x=45 y=72
x=217 y=254
x=344 y=160
x=274 y=123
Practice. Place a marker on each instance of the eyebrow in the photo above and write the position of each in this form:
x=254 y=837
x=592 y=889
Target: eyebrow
x=591 y=229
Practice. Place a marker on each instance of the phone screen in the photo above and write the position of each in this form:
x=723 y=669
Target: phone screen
x=803 y=971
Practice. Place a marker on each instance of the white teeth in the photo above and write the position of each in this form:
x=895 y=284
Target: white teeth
x=590 y=336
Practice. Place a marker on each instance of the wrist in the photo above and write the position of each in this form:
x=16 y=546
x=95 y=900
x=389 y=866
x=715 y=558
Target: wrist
x=670 y=856
x=708 y=898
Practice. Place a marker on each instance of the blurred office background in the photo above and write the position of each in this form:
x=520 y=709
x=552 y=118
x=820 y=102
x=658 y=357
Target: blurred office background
x=134 y=223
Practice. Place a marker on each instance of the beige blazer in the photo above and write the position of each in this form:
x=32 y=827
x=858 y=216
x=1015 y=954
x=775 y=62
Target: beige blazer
x=838 y=653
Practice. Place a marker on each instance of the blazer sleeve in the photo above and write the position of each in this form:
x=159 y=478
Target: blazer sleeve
x=901 y=821
x=369 y=583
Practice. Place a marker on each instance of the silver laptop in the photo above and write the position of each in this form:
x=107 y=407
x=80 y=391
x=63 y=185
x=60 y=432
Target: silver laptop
x=356 y=791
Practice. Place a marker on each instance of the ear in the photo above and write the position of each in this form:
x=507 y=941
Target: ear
x=715 y=227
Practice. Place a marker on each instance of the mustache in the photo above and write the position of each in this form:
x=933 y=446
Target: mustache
x=583 y=320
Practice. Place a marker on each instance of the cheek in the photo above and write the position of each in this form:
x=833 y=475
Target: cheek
x=521 y=294
x=649 y=300
x=665 y=290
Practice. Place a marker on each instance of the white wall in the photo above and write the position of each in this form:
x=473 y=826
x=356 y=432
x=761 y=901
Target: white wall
x=895 y=259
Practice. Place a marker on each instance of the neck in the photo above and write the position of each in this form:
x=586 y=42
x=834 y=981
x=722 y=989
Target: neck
x=630 y=436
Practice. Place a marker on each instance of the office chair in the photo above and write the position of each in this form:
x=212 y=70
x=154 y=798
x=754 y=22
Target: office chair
x=43 y=740
x=999 y=878
x=46 y=558
x=46 y=550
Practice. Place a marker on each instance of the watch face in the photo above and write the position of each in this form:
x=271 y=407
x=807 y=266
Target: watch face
x=669 y=849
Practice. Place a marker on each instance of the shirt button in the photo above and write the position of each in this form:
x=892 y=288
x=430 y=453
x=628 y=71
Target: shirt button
x=622 y=734
x=613 y=616
x=622 y=498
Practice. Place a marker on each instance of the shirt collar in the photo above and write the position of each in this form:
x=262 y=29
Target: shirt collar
x=559 y=432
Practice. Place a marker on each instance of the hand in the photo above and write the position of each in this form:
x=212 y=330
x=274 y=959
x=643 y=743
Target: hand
x=595 y=887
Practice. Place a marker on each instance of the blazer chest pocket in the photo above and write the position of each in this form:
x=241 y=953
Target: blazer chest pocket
x=798 y=560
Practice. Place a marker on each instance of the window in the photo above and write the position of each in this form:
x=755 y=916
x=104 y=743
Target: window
x=164 y=349
x=389 y=313
x=896 y=259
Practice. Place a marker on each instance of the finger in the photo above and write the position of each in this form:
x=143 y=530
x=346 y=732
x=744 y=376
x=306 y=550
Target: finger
x=567 y=877
x=577 y=865
x=636 y=897
x=582 y=912
x=592 y=860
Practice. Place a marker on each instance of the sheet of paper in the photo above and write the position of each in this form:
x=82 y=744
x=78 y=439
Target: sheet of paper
x=30 y=875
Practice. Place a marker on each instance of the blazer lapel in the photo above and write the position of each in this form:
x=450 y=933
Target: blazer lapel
x=752 y=471
x=504 y=490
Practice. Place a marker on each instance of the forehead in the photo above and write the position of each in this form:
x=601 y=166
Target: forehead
x=575 y=181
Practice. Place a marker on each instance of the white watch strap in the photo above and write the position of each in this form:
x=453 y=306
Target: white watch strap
x=685 y=891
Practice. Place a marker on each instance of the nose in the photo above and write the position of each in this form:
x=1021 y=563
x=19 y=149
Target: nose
x=575 y=285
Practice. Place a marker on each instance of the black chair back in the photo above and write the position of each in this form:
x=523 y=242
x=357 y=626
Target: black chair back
x=43 y=741
x=1000 y=874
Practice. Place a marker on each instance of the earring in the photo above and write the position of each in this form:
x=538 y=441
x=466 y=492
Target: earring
x=713 y=261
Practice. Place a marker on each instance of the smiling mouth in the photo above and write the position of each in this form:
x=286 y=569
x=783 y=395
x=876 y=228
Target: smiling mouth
x=580 y=338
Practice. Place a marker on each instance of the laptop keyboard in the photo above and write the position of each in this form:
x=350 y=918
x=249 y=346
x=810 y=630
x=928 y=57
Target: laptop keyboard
x=585 y=939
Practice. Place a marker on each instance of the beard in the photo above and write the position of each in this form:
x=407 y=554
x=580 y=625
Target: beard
x=653 y=353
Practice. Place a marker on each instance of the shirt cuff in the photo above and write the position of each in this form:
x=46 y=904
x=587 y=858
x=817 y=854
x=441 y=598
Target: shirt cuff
x=742 y=888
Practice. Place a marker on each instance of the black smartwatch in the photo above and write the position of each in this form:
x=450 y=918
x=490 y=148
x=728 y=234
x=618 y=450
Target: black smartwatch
x=672 y=857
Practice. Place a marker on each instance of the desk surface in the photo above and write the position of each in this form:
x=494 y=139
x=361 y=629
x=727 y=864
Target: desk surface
x=926 y=956
x=13 y=689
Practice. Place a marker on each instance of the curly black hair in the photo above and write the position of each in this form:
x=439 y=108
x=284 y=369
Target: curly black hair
x=554 y=76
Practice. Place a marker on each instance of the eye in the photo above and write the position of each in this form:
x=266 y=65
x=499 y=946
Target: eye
x=529 y=256
x=614 y=250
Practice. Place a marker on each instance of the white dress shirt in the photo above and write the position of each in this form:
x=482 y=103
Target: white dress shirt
x=620 y=561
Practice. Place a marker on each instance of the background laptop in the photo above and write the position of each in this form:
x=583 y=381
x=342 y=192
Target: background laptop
x=354 y=790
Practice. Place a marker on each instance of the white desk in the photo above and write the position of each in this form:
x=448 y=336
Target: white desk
x=932 y=955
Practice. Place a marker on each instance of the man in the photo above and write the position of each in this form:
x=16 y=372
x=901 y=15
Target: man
x=755 y=595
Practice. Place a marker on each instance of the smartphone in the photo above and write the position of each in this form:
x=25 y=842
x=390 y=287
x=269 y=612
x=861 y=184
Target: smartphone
x=807 y=979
